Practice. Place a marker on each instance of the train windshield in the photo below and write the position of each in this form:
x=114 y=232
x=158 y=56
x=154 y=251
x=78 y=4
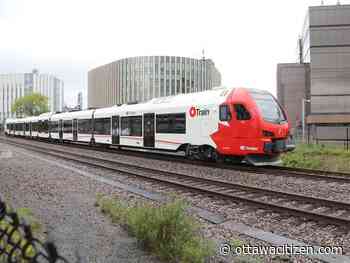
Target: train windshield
x=269 y=107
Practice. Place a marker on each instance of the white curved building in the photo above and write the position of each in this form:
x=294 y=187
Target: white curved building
x=143 y=78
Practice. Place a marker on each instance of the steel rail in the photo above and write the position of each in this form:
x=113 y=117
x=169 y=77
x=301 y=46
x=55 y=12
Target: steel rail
x=319 y=175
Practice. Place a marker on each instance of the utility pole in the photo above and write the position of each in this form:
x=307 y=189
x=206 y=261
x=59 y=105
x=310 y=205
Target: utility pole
x=303 y=101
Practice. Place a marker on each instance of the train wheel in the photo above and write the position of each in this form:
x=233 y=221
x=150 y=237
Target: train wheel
x=188 y=152
x=217 y=157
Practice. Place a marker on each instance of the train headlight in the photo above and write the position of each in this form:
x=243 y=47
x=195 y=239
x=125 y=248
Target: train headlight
x=268 y=134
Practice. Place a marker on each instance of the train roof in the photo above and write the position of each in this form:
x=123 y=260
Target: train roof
x=84 y=114
x=21 y=119
x=214 y=96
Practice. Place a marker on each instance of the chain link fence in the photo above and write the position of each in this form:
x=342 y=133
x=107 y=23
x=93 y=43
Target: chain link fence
x=17 y=243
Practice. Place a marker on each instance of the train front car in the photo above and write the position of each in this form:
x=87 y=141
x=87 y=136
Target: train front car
x=253 y=127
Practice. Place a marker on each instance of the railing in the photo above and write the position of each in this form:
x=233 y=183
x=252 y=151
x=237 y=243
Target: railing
x=17 y=243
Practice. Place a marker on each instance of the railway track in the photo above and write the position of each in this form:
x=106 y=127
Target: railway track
x=310 y=208
x=319 y=175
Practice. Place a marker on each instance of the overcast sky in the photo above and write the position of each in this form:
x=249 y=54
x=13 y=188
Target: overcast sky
x=245 y=39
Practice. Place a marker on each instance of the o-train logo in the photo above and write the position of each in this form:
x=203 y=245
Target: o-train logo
x=195 y=112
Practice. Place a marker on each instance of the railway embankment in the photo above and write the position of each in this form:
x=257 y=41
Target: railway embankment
x=63 y=202
x=235 y=210
x=320 y=157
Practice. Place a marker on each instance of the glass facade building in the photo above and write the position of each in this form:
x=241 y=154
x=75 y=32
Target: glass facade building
x=14 y=86
x=138 y=79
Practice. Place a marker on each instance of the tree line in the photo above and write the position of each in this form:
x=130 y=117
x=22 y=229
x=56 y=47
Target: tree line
x=33 y=104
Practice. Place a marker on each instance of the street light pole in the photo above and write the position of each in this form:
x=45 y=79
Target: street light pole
x=303 y=101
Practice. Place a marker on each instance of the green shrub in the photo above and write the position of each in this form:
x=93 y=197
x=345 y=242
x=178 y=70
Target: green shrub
x=322 y=157
x=165 y=230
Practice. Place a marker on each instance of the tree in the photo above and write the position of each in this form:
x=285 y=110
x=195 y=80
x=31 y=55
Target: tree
x=30 y=105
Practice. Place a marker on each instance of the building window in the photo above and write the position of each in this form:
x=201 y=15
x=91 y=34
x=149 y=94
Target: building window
x=162 y=87
x=171 y=123
x=131 y=126
x=102 y=126
x=167 y=88
x=173 y=87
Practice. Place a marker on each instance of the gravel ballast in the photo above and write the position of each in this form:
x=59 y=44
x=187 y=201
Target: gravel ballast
x=309 y=232
x=64 y=203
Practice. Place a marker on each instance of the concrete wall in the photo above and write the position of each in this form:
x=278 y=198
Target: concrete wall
x=292 y=87
x=329 y=28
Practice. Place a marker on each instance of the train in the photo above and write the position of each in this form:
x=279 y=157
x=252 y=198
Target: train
x=221 y=124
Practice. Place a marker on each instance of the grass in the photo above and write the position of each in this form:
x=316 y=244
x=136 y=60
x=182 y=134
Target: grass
x=166 y=230
x=321 y=157
x=17 y=236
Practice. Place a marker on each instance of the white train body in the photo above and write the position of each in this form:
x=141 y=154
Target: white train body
x=222 y=121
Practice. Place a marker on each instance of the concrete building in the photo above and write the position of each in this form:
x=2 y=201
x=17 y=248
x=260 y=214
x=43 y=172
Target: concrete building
x=325 y=45
x=143 y=78
x=16 y=85
x=293 y=82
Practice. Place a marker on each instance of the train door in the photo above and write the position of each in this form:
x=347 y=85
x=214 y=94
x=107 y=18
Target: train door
x=75 y=130
x=148 y=130
x=49 y=127
x=115 y=130
x=60 y=129
x=30 y=129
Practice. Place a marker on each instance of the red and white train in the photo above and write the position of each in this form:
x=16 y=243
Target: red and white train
x=223 y=123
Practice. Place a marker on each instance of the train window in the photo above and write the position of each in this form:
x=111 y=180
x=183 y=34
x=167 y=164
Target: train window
x=67 y=126
x=225 y=113
x=131 y=126
x=45 y=126
x=269 y=107
x=34 y=126
x=171 y=123
x=241 y=112
x=54 y=126
x=84 y=126
x=103 y=126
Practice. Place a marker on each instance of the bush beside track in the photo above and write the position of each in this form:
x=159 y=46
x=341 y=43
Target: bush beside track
x=320 y=157
x=165 y=230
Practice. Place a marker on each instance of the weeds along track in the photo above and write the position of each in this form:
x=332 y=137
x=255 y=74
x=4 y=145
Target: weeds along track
x=319 y=175
x=321 y=210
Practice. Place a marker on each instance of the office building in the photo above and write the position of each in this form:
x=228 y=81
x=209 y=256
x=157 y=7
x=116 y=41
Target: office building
x=293 y=82
x=16 y=85
x=324 y=48
x=143 y=78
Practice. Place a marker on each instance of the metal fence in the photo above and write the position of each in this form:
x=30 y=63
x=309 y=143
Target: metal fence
x=334 y=135
x=17 y=243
